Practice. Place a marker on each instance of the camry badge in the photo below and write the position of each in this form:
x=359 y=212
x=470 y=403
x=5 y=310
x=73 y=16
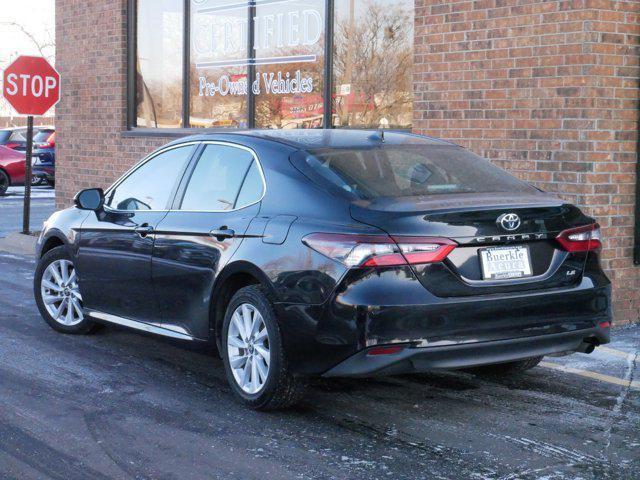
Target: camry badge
x=509 y=221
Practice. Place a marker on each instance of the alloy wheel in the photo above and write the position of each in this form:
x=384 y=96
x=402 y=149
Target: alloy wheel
x=61 y=294
x=248 y=348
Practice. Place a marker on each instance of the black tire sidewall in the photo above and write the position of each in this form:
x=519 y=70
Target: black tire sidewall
x=8 y=182
x=254 y=296
x=58 y=253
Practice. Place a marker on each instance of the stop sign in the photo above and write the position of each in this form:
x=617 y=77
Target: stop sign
x=31 y=85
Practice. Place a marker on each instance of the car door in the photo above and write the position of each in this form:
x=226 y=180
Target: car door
x=116 y=243
x=219 y=197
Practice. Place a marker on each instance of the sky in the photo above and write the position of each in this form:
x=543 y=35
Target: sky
x=36 y=18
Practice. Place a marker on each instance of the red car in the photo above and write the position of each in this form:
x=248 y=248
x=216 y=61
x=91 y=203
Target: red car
x=12 y=166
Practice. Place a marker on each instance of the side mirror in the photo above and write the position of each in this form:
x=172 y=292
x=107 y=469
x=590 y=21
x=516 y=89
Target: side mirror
x=89 y=199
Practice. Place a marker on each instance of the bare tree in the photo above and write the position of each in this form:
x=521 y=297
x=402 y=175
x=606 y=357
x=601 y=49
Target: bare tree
x=374 y=55
x=41 y=45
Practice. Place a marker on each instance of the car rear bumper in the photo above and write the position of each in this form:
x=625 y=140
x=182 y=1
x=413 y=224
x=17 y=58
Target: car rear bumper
x=412 y=359
x=390 y=307
x=44 y=173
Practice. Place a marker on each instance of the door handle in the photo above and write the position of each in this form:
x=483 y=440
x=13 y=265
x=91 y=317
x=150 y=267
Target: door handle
x=222 y=233
x=143 y=230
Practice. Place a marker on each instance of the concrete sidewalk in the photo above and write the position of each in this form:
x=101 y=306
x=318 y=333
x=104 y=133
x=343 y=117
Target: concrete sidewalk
x=19 y=244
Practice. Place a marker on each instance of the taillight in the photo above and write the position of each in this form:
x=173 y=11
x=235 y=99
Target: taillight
x=12 y=145
x=385 y=350
x=379 y=250
x=581 y=239
x=49 y=143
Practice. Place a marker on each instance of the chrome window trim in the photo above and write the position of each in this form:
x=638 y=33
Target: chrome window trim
x=152 y=155
x=135 y=167
x=255 y=158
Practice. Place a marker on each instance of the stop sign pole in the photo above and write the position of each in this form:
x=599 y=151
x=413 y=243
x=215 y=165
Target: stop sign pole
x=26 y=210
x=32 y=86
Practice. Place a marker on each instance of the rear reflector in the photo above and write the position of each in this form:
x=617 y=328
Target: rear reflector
x=379 y=250
x=581 y=239
x=605 y=325
x=384 y=350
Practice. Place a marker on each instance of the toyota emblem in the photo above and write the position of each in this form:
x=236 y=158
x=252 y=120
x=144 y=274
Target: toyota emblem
x=509 y=221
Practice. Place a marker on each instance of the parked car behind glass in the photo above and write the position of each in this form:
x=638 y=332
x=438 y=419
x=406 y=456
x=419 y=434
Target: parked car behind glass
x=328 y=253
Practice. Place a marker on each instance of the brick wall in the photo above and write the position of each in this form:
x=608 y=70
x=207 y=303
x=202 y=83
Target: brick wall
x=549 y=91
x=91 y=116
x=16 y=121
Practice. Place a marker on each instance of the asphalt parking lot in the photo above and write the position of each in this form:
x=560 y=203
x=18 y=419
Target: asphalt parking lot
x=117 y=405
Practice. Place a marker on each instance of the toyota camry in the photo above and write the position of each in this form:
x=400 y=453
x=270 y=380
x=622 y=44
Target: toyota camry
x=329 y=253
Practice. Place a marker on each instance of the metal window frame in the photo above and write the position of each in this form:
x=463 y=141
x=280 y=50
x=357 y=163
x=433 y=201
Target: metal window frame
x=134 y=130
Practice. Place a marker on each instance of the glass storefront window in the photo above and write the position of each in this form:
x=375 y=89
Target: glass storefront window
x=264 y=63
x=290 y=59
x=373 y=63
x=219 y=64
x=159 y=63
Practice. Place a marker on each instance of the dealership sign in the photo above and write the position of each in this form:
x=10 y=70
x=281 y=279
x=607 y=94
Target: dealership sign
x=31 y=85
x=271 y=83
x=220 y=34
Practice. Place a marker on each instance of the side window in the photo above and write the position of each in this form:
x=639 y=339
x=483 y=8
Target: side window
x=150 y=186
x=252 y=188
x=217 y=178
x=18 y=136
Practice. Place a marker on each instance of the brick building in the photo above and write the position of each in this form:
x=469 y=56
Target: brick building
x=546 y=89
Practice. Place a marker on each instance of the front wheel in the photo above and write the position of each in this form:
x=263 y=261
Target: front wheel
x=253 y=354
x=58 y=295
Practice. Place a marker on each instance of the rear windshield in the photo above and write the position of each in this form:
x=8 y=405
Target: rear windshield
x=404 y=171
x=42 y=135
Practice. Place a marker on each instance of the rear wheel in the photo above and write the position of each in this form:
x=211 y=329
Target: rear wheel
x=508 y=368
x=58 y=295
x=253 y=355
x=4 y=182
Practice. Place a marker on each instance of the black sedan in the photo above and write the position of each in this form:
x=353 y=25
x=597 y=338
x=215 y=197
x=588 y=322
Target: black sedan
x=328 y=253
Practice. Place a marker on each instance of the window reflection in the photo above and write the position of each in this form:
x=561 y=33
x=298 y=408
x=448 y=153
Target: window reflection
x=373 y=63
x=218 y=70
x=216 y=180
x=289 y=52
x=149 y=187
x=159 y=63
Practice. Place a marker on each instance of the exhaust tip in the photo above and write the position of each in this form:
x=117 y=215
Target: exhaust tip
x=588 y=345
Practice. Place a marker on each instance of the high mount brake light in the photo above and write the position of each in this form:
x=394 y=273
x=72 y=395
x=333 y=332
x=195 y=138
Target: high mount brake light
x=581 y=239
x=379 y=250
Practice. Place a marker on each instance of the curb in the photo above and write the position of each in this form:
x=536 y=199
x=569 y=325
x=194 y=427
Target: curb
x=19 y=244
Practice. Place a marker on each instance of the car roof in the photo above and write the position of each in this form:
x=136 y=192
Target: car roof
x=324 y=138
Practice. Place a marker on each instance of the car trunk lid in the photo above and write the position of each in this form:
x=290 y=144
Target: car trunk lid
x=473 y=222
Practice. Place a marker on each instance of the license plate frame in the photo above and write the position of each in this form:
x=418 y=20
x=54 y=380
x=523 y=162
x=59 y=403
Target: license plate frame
x=497 y=270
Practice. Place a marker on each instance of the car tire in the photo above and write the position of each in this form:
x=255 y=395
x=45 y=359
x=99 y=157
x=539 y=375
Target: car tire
x=5 y=181
x=280 y=389
x=63 y=285
x=518 y=366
